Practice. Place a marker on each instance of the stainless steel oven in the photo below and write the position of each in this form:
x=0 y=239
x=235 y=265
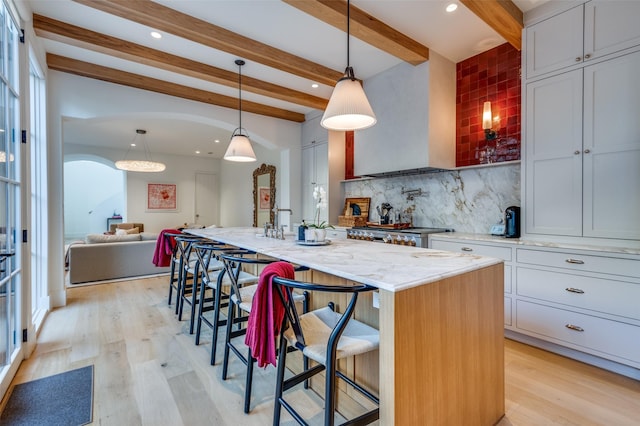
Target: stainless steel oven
x=416 y=237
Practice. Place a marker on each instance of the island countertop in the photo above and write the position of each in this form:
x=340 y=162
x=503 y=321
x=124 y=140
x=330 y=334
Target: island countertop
x=384 y=266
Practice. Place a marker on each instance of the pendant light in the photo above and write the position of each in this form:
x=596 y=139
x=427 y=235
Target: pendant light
x=145 y=165
x=240 y=146
x=348 y=107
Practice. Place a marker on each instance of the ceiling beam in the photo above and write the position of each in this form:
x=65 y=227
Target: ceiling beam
x=85 y=69
x=364 y=27
x=80 y=37
x=163 y=18
x=501 y=15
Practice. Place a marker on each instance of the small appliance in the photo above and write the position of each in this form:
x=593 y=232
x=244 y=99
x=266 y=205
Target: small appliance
x=512 y=222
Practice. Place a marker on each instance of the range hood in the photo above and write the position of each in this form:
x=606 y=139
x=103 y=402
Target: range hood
x=416 y=128
x=407 y=172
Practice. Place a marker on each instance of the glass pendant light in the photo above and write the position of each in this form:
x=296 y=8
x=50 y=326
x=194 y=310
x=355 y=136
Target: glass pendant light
x=145 y=165
x=240 y=146
x=348 y=107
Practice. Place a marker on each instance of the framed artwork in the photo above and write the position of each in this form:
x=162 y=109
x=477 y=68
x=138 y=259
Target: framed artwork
x=264 y=192
x=162 y=197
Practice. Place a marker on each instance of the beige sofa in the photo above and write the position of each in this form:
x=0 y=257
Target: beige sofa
x=107 y=257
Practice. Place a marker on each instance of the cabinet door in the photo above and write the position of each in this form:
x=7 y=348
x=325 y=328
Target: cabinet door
x=553 y=148
x=555 y=43
x=612 y=148
x=315 y=172
x=610 y=26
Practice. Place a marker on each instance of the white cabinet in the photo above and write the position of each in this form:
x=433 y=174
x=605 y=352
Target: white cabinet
x=583 y=301
x=486 y=249
x=315 y=172
x=581 y=34
x=582 y=151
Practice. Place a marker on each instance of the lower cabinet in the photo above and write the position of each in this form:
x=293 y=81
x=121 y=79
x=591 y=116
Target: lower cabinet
x=585 y=300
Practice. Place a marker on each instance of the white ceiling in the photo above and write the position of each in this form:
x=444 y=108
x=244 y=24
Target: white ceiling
x=457 y=36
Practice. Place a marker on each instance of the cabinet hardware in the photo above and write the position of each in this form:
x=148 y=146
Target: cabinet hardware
x=575 y=261
x=586 y=151
x=574 y=290
x=574 y=327
x=587 y=56
x=466 y=249
x=576 y=152
x=578 y=59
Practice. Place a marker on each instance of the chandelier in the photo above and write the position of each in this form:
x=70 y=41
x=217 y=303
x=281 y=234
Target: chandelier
x=145 y=165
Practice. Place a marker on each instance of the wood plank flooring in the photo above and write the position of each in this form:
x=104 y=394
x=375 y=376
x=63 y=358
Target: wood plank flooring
x=149 y=372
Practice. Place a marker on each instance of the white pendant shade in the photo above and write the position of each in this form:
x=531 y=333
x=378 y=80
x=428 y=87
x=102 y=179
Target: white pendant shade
x=240 y=149
x=348 y=107
x=139 y=166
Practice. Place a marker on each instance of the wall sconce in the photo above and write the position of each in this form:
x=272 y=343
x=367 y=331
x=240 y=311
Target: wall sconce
x=487 y=122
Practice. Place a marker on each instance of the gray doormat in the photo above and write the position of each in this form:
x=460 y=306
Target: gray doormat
x=63 y=399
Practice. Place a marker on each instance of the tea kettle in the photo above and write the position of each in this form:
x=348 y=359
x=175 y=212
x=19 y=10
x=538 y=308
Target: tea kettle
x=383 y=211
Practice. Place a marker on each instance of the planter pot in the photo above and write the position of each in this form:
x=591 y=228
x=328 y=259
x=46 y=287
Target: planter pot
x=313 y=234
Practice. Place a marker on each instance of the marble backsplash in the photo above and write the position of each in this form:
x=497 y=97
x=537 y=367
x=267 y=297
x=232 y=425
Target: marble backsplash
x=467 y=200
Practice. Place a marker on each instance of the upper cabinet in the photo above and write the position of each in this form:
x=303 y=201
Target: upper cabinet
x=582 y=146
x=584 y=33
x=416 y=110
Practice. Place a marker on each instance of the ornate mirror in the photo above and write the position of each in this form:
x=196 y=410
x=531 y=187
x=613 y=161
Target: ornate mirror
x=264 y=194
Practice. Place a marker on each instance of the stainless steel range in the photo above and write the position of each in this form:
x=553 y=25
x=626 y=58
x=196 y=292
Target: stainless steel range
x=416 y=237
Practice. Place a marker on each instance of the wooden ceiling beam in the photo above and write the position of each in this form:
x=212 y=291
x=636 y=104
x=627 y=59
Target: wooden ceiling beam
x=85 y=69
x=364 y=27
x=80 y=37
x=501 y=15
x=163 y=18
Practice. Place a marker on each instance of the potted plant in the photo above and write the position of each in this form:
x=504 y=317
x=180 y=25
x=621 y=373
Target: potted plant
x=317 y=230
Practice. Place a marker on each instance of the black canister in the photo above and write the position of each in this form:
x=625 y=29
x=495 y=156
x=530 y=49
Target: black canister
x=303 y=227
x=512 y=222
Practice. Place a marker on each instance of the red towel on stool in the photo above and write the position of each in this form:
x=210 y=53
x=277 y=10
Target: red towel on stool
x=267 y=313
x=164 y=248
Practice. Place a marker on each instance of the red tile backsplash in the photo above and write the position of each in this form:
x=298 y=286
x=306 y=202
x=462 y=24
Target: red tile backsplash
x=490 y=76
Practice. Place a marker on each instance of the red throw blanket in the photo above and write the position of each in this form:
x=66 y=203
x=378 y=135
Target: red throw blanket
x=267 y=313
x=164 y=248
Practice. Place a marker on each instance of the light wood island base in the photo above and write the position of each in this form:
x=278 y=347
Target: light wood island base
x=442 y=351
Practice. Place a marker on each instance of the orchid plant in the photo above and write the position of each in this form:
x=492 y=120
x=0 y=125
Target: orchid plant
x=320 y=195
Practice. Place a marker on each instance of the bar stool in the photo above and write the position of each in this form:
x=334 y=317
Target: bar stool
x=214 y=279
x=174 y=274
x=188 y=265
x=329 y=336
x=240 y=301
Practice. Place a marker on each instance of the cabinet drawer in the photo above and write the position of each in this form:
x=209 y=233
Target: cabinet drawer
x=596 y=294
x=337 y=234
x=606 y=338
x=580 y=262
x=503 y=253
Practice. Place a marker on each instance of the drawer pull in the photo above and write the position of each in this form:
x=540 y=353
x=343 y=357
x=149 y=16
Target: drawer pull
x=574 y=327
x=466 y=249
x=575 y=261
x=574 y=290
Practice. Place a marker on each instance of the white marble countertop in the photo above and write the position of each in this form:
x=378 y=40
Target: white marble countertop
x=535 y=243
x=384 y=266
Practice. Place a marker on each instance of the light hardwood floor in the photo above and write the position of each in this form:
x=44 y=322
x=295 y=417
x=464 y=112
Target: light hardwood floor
x=149 y=372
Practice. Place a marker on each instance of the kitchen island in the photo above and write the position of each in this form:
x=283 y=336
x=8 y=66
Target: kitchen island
x=441 y=357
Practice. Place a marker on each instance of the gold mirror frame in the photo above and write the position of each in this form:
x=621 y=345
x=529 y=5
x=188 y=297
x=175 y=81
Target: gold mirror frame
x=257 y=173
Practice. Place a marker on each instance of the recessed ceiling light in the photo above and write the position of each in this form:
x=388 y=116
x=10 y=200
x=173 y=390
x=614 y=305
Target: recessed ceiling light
x=197 y=152
x=156 y=34
x=133 y=144
x=451 y=7
x=217 y=141
x=314 y=85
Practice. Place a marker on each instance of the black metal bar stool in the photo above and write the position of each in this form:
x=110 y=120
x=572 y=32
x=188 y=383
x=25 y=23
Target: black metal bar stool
x=324 y=336
x=243 y=288
x=176 y=268
x=214 y=279
x=188 y=271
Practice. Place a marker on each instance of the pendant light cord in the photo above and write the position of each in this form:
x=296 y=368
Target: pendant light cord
x=348 y=72
x=240 y=63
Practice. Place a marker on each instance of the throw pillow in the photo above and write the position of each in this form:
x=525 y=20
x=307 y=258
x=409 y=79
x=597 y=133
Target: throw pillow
x=120 y=231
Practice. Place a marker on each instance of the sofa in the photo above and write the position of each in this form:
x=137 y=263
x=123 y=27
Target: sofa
x=107 y=257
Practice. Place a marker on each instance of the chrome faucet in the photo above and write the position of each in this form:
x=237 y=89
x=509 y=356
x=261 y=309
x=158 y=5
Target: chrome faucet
x=279 y=230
